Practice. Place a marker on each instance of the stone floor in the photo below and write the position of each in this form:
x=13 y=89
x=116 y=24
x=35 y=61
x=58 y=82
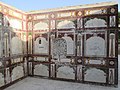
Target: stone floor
x=45 y=84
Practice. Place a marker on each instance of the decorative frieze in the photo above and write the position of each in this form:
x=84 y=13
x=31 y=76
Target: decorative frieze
x=80 y=13
x=24 y=17
x=96 y=11
x=15 y=14
x=66 y=14
x=5 y=10
x=43 y=16
x=112 y=10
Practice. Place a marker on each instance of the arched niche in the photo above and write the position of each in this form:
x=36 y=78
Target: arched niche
x=95 y=46
x=6 y=21
x=70 y=44
x=30 y=44
x=15 y=24
x=41 y=70
x=41 y=45
x=95 y=75
x=24 y=40
x=16 y=45
x=17 y=73
x=41 y=26
x=65 y=72
x=66 y=24
x=1 y=80
x=96 y=22
x=1 y=63
x=59 y=49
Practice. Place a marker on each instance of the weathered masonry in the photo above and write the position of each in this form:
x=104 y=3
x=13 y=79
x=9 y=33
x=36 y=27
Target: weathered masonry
x=77 y=43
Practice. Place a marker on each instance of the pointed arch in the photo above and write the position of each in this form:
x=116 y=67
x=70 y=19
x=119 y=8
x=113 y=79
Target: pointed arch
x=16 y=45
x=65 y=24
x=96 y=22
x=41 y=26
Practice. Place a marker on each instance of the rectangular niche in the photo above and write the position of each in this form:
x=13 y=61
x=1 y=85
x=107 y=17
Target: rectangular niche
x=111 y=76
x=112 y=39
x=52 y=70
x=80 y=35
x=7 y=76
x=79 y=73
x=112 y=22
x=95 y=75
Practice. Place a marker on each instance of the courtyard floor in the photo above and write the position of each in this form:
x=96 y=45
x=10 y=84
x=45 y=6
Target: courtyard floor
x=31 y=83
